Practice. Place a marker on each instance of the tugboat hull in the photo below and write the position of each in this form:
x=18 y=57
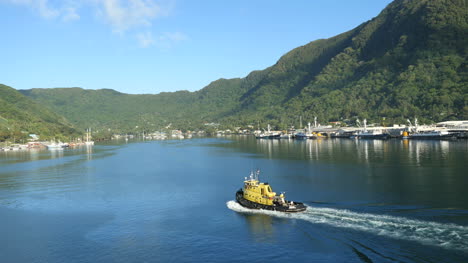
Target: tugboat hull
x=297 y=207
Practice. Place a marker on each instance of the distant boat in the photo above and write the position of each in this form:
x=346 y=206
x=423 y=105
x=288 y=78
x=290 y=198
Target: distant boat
x=303 y=134
x=274 y=136
x=370 y=134
x=56 y=146
x=268 y=134
x=88 y=136
x=15 y=147
x=342 y=133
x=432 y=135
x=300 y=136
x=315 y=135
x=405 y=135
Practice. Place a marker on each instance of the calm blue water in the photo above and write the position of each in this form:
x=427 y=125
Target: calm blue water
x=172 y=201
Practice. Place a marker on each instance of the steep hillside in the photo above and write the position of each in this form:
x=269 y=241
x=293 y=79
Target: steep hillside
x=135 y=113
x=409 y=61
x=20 y=116
x=111 y=109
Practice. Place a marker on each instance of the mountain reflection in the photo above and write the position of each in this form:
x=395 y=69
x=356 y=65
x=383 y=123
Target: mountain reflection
x=349 y=150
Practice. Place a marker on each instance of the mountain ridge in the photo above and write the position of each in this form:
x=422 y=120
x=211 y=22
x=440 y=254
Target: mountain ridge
x=409 y=61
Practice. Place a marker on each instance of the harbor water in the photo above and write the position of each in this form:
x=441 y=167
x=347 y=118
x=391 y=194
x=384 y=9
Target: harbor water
x=174 y=201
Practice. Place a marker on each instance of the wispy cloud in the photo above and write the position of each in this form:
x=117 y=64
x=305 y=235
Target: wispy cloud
x=121 y=15
x=134 y=16
x=129 y=14
x=70 y=11
x=166 y=40
x=145 y=39
x=169 y=39
x=66 y=11
x=42 y=7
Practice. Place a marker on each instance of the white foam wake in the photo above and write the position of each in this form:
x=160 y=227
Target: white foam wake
x=439 y=234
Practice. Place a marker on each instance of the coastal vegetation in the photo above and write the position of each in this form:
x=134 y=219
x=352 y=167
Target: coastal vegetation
x=20 y=116
x=409 y=61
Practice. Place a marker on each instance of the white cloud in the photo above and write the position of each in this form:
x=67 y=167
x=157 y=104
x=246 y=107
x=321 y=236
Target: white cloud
x=173 y=37
x=169 y=39
x=41 y=6
x=145 y=39
x=67 y=11
x=70 y=16
x=165 y=41
x=45 y=10
x=135 y=16
x=70 y=11
x=123 y=15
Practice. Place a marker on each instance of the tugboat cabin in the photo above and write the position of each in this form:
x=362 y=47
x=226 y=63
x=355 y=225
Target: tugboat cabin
x=258 y=192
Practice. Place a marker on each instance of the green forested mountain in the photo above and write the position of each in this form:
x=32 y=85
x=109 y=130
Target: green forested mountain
x=113 y=110
x=409 y=61
x=20 y=116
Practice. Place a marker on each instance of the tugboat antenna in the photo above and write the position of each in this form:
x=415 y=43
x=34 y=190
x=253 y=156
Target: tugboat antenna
x=254 y=175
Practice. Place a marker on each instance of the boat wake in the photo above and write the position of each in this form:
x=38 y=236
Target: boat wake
x=449 y=236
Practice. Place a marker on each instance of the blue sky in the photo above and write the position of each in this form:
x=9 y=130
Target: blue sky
x=146 y=46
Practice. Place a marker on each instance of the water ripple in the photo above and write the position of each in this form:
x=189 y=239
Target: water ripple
x=450 y=236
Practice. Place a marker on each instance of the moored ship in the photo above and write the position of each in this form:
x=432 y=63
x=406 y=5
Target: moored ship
x=433 y=134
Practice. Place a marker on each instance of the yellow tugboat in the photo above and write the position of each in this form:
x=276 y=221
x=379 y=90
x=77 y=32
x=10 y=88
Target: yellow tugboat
x=257 y=195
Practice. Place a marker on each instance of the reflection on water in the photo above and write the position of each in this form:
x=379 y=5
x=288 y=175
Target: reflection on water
x=34 y=154
x=132 y=202
x=43 y=172
x=89 y=152
x=444 y=235
x=408 y=171
x=56 y=153
x=261 y=227
x=422 y=153
x=9 y=157
x=421 y=150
